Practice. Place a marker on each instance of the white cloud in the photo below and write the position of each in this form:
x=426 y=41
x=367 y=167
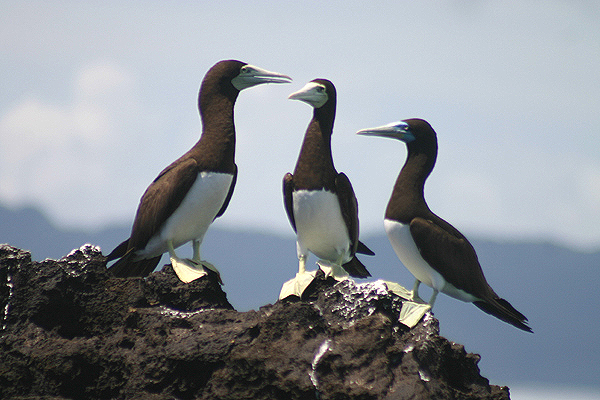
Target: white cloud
x=100 y=80
x=56 y=154
x=533 y=193
x=588 y=183
x=560 y=196
x=473 y=196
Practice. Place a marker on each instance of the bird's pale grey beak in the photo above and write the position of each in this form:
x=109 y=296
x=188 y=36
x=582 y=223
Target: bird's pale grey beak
x=251 y=75
x=312 y=93
x=395 y=130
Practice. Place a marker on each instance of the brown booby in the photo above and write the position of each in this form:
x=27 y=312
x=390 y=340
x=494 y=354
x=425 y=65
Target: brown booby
x=435 y=252
x=320 y=202
x=185 y=198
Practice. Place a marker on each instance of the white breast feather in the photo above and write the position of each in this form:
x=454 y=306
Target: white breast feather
x=406 y=250
x=195 y=213
x=319 y=225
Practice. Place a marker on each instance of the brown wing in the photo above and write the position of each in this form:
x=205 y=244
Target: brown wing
x=161 y=199
x=451 y=254
x=349 y=207
x=288 y=198
x=229 y=194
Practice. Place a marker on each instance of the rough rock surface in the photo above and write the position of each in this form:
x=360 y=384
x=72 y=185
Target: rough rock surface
x=71 y=330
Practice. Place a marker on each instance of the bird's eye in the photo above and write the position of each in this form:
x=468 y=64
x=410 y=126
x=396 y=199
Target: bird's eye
x=245 y=70
x=320 y=89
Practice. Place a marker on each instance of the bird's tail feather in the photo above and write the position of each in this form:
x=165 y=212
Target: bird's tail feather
x=356 y=269
x=504 y=311
x=363 y=249
x=119 y=251
x=125 y=267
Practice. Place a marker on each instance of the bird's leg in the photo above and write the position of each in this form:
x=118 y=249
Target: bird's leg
x=433 y=297
x=302 y=263
x=196 y=246
x=297 y=285
x=415 y=291
x=186 y=270
x=197 y=260
x=171 y=249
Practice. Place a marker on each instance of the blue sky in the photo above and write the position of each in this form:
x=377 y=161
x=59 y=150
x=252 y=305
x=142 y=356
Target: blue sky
x=98 y=97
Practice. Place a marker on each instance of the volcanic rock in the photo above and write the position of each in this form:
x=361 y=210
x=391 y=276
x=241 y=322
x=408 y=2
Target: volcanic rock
x=70 y=330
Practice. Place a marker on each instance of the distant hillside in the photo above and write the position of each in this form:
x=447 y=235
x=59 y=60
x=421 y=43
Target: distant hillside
x=556 y=288
x=29 y=229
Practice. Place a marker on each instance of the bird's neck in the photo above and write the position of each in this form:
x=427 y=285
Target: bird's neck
x=315 y=169
x=408 y=199
x=217 y=142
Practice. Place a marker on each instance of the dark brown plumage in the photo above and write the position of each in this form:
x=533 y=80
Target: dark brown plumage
x=213 y=153
x=440 y=245
x=315 y=171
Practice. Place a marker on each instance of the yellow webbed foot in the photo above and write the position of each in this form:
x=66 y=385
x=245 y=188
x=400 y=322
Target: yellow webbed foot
x=297 y=285
x=333 y=270
x=413 y=308
x=189 y=270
